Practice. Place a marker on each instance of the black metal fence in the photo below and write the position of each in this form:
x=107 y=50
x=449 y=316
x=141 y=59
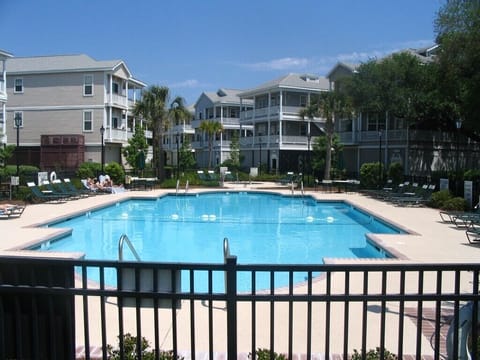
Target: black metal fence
x=62 y=309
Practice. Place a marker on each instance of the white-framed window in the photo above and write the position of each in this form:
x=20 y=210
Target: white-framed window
x=18 y=86
x=18 y=115
x=115 y=88
x=88 y=85
x=88 y=121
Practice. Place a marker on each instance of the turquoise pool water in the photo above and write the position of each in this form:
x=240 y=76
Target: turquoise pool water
x=261 y=229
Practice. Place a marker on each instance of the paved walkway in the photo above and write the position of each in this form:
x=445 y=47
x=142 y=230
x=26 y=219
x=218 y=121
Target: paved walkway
x=430 y=240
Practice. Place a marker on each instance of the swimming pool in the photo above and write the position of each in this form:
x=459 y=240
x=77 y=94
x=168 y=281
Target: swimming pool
x=261 y=228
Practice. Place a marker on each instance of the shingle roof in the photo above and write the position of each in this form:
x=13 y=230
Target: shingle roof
x=58 y=63
x=291 y=81
x=224 y=96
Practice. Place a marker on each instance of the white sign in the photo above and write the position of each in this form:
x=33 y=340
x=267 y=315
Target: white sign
x=42 y=176
x=468 y=192
x=443 y=184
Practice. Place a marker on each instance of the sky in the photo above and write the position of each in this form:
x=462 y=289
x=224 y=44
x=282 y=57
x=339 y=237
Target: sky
x=195 y=46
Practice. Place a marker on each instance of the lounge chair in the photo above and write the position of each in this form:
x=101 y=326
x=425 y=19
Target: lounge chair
x=212 y=176
x=62 y=188
x=82 y=192
x=450 y=216
x=46 y=196
x=10 y=211
x=228 y=176
x=202 y=176
x=288 y=179
x=473 y=232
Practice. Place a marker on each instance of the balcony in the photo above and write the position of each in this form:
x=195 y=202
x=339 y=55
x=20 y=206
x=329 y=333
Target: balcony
x=49 y=309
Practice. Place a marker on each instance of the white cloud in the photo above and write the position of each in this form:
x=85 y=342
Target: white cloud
x=280 y=64
x=189 y=83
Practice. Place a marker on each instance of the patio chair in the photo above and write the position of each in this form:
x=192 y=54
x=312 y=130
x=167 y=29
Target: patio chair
x=449 y=216
x=62 y=188
x=47 y=195
x=473 y=232
x=212 y=176
x=202 y=176
x=10 y=211
x=83 y=192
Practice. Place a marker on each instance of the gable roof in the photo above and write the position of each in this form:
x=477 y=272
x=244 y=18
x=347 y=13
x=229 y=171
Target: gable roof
x=222 y=96
x=307 y=82
x=61 y=63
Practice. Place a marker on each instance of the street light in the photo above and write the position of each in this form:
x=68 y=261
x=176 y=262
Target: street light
x=178 y=159
x=102 y=132
x=309 y=164
x=379 y=158
x=260 y=153
x=458 y=124
x=18 y=122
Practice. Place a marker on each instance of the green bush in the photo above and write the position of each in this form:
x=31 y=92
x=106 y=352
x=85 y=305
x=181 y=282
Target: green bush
x=374 y=355
x=395 y=172
x=130 y=351
x=116 y=172
x=88 y=170
x=456 y=203
x=265 y=354
x=369 y=175
x=438 y=199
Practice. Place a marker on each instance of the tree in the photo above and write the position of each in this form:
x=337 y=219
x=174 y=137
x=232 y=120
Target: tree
x=457 y=28
x=211 y=128
x=235 y=151
x=152 y=107
x=136 y=144
x=327 y=105
x=186 y=158
x=6 y=153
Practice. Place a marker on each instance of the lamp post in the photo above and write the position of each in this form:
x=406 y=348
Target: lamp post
x=379 y=158
x=102 y=132
x=178 y=159
x=18 y=122
x=458 y=124
x=309 y=165
x=260 y=153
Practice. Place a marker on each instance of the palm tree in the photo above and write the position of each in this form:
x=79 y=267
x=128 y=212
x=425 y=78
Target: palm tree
x=153 y=108
x=211 y=128
x=327 y=105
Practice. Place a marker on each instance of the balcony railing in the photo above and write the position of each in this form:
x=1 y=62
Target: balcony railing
x=49 y=308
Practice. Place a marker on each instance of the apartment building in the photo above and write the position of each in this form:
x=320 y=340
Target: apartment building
x=278 y=138
x=62 y=102
x=223 y=106
x=381 y=137
x=3 y=96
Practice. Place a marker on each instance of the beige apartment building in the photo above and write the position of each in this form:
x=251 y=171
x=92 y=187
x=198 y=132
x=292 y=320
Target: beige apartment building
x=62 y=102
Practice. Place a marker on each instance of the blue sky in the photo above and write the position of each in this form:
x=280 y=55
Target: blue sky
x=196 y=46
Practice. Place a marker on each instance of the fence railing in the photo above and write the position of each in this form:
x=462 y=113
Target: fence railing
x=58 y=309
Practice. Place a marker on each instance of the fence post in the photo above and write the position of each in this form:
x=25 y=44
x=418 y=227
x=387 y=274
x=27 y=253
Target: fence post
x=231 y=292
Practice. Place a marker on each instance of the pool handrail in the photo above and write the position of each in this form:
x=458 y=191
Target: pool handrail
x=124 y=238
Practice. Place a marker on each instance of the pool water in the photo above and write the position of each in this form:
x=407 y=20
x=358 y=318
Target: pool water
x=261 y=229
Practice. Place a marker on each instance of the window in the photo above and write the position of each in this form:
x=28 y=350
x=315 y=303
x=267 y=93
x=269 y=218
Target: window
x=303 y=100
x=17 y=115
x=115 y=122
x=88 y=85
x=88 y=120
x=18 y=87
x=115 y=88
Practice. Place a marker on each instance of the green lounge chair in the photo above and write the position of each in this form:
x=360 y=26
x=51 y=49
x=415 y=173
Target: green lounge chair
x=46 y=196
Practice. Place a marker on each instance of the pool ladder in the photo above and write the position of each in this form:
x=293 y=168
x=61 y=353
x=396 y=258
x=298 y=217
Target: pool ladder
x=124 y=239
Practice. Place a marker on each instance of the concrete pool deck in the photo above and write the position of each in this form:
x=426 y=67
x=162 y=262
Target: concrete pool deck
x=431 y=240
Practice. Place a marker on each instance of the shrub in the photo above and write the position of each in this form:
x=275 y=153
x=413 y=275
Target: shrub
x=395 y=172
x=374 y=355
x=130 y=351
x=456 y=203
x=116 y=172
x=88 y=170
x=439 y=198
x=369 y=175
x=265 y=354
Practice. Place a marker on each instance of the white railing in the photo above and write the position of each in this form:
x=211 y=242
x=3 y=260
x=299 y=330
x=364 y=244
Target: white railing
x=117 y=99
